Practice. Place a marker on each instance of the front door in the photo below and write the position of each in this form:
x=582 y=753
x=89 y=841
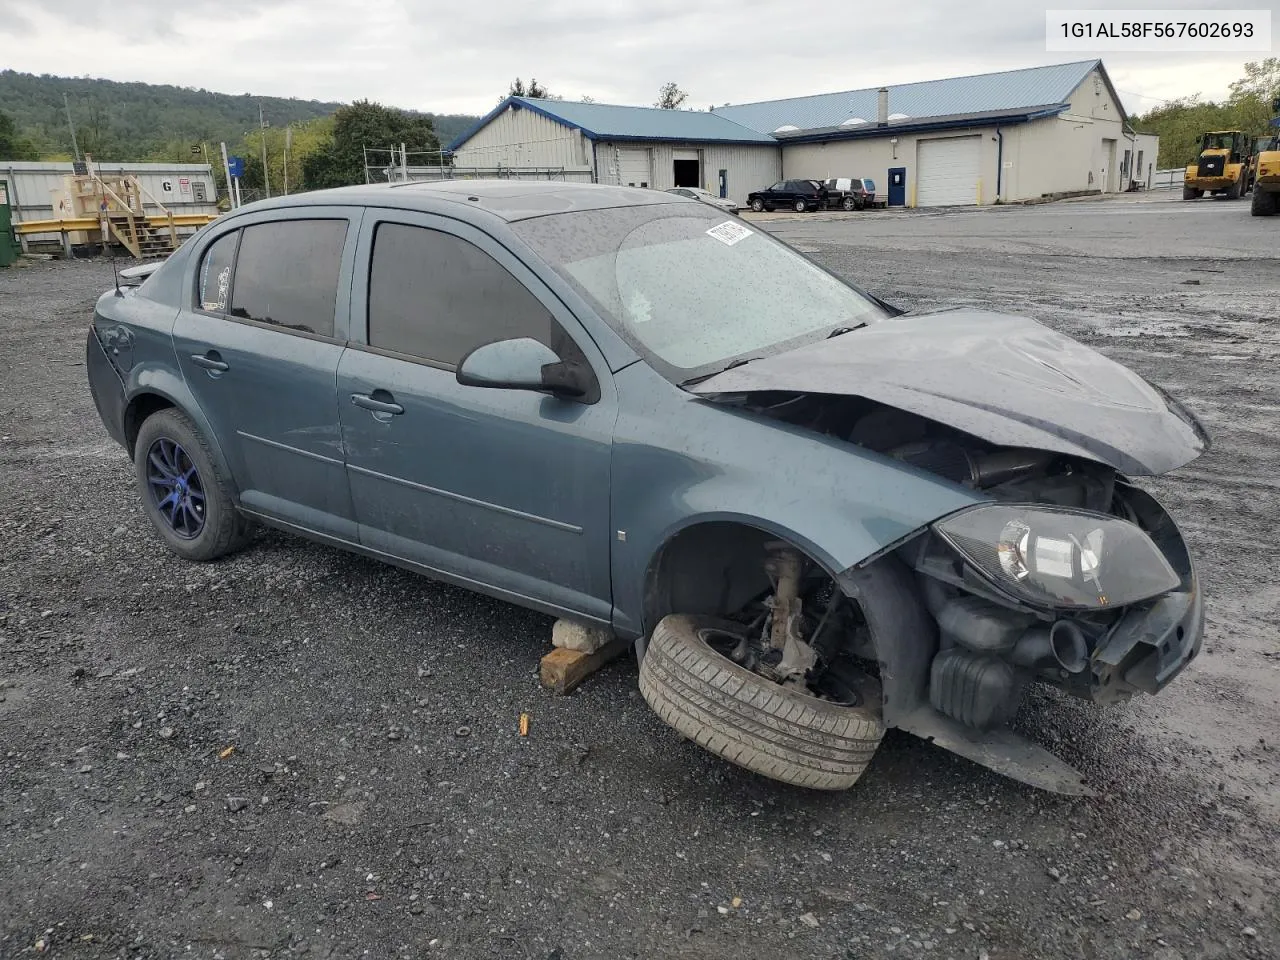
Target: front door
x=259 y=349
x=502 y=489
x=898 y=186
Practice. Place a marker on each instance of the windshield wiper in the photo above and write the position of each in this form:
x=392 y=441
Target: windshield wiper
x=839 y=330
x=740 y=362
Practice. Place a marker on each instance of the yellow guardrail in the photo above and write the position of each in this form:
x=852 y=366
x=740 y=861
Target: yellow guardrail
x=29 y=227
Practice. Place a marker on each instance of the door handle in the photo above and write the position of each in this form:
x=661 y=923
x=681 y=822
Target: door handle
x=210 y=361
x=377 y=406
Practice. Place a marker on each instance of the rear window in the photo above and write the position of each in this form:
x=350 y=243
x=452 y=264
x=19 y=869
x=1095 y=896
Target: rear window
x=214 y=281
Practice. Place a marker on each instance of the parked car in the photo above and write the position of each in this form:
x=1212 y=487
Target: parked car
x=799 y=195
x=847 y=193
x=696 y=193
x=817 y=517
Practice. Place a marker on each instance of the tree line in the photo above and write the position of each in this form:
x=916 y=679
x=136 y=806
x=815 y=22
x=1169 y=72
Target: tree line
x=307 y=144
x=1248 y=107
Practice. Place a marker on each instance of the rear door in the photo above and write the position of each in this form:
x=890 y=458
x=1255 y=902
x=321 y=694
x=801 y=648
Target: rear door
x=503 y=489
x=258 y=344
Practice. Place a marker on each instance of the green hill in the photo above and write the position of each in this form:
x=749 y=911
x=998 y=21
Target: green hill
x=144 y=121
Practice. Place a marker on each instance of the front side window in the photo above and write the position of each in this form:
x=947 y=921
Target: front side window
x=287 y=274
x=692 y=291
x=213 y=285
x=779 y=186
x=435 y=296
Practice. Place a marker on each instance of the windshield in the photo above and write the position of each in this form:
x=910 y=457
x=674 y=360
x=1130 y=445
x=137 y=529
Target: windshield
x=692 y=291
x=1217 y=141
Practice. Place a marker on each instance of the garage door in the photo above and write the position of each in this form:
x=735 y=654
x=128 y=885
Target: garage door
x=947 y=171
x=633 y=167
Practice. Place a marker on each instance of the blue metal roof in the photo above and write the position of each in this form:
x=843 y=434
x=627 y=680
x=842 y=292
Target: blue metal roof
x=603 y=121
x=985 y=93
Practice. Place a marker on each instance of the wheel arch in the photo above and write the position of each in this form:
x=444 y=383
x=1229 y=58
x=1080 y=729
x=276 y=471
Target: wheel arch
x=150 y=390
x=712 y=565
x=696 y=566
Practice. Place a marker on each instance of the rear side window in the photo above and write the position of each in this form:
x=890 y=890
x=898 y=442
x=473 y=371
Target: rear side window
x=435 y=296
x=215 y=274
x=287 y=274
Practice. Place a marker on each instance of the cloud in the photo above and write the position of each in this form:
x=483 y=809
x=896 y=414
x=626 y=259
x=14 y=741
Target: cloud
x=450 y=57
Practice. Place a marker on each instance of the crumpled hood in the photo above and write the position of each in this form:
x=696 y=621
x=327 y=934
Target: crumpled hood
x=1005 y=379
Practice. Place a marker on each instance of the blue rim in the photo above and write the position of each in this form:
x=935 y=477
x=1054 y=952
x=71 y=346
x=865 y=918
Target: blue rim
x=176 y=488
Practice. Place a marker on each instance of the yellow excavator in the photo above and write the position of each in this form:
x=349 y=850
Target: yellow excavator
x=1266 y=187
x=1223 y=166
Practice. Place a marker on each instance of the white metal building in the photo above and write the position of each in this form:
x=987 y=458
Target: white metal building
x=635 y=146
x=1010 y=136
x=35 y=188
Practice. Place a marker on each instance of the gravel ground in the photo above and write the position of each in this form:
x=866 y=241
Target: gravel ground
x=300 y=752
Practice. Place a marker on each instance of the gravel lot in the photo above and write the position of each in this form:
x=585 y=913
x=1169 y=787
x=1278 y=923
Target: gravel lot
x=299 y=752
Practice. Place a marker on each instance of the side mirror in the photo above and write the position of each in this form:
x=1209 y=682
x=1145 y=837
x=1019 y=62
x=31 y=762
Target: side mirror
x=521 y=364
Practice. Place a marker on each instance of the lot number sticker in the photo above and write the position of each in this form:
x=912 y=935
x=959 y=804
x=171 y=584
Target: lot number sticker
x=729 y=233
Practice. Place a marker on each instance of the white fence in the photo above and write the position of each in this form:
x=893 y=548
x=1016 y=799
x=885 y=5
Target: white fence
x=1168 y=179
x=392 y=165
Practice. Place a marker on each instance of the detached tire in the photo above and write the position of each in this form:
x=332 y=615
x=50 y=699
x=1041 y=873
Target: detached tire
x=776 y=731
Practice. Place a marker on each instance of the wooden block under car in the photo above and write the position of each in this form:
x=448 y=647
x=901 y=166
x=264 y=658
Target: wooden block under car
x=563 y=669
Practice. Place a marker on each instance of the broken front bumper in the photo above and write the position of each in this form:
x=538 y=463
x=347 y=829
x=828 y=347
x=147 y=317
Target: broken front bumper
x=1147 y=648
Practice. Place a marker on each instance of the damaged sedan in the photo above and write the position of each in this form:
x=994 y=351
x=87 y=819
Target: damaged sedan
x=816 y=517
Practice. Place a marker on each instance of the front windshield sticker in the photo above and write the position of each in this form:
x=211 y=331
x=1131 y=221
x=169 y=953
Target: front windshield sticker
x=729 y=232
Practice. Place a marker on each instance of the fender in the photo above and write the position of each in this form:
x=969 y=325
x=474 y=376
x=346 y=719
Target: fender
x=680 y=461
x=154 y=378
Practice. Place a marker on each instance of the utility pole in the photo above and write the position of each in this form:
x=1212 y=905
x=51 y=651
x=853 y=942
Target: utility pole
x=262 y=130
x=288 y=142
x=226 y=169
x=72 y=127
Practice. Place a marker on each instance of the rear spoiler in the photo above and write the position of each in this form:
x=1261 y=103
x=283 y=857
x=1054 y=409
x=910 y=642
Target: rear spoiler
x=133 y=276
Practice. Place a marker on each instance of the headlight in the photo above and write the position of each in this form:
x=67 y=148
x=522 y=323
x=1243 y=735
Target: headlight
x=1060 y=558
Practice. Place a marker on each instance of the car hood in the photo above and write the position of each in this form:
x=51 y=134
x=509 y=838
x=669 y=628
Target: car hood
x=1005 y=379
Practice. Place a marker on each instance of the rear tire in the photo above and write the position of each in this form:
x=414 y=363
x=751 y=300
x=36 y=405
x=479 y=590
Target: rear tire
x=196 y=518
x=776 y=731
x=1191 y=193
x=800 y=206
x=1263 y=203
x=848 y=203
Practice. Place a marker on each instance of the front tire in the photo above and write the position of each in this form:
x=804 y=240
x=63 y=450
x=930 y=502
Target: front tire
x=757 y=205
x=1191 y=193
x=1235 y=191
x=779 y=732
x=183 y=495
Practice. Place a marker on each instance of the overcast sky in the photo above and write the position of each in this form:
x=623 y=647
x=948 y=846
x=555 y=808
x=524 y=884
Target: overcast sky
x=458 y=57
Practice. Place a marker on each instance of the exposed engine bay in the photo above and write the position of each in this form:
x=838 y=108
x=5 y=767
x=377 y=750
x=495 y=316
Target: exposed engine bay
x=995 y=636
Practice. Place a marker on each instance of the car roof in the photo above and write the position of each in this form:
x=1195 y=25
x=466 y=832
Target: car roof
x=509 y=200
